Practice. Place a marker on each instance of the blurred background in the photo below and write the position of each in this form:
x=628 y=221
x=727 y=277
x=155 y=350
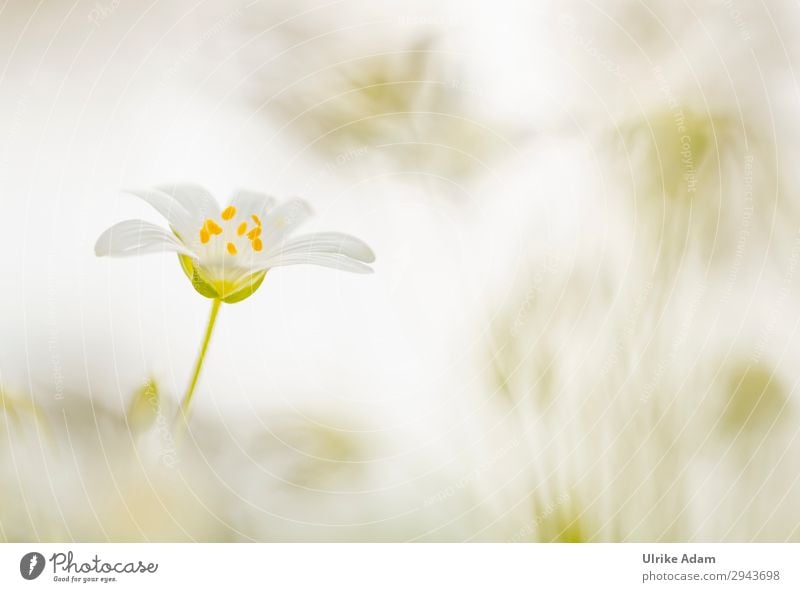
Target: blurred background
x=583 y=321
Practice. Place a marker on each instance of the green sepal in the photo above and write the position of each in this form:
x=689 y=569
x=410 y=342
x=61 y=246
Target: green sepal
x=198 y=283
x=209 y=291
x=247 y=290
x=144 y=407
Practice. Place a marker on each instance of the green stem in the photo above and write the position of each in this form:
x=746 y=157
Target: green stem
x=187 y=398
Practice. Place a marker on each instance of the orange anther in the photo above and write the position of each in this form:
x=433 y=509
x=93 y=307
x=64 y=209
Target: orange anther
x=256 y=219
x=231 y=248
x=255 y=233
x=257 y=245
x=204 y=236
x=213 y=227
x=228 y=213
x=242 y=228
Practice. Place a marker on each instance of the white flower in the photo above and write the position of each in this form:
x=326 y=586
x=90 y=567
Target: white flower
x=226 y=253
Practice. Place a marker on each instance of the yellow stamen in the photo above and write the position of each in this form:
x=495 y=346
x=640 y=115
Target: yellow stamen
x=257 y=245
x=242 y=228
x=213 y=227
x=256 y=219
x=231 y=248
x=204 y=236
x=228 y=213
x=255 y=233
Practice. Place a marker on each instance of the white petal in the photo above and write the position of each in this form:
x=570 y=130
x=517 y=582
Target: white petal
x=283 y=220
x=137 y=237
x=324 y=259
x=250 y=202
x=169 y=207
x=333 y=243
x=197 y=201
